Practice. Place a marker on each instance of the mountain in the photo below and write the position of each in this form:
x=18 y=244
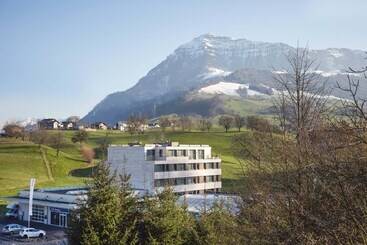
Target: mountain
x=206 y=60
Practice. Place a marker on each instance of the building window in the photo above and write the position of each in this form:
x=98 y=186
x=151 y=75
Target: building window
x=200 y=154
x=180 y=181
x=180 y=167
x=159 y=168
x=150 y=155
x=210 y=179
x=192 y=154
x=169 y=182
x=171 y=167
x=160 y=153
x=38 y=213
x=192 y=180
x=191 y=166
x=170 y=153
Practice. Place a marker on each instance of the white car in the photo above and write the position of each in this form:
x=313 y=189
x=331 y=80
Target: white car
x=12 y=228
x=32 y=232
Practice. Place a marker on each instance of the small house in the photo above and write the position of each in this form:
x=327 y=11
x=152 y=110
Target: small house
x=99 y=125
x=49 y=123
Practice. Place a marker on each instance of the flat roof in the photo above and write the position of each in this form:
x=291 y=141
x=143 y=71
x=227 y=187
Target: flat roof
x=65 y=191
x=197 y=203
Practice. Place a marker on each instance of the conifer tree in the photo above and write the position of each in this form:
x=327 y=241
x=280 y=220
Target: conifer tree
x=129 y=211
x=96 y=221
x=167 y=223
x=218 y=226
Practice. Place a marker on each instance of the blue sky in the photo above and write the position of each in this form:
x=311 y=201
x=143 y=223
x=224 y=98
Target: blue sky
x=60 y=58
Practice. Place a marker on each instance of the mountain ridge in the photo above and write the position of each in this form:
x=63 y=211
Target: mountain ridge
x=205 y=59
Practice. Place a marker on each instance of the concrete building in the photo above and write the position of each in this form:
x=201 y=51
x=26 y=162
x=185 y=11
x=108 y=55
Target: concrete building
x=188 y=169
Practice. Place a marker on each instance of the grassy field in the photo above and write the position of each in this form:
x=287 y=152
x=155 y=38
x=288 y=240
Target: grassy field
x=19 y=161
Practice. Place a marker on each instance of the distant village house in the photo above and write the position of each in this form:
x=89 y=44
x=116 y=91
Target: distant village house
x=49 y=123
x=99 y=125
x=121 y=126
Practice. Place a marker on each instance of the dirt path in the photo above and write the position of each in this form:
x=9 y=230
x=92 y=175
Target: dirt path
x=47 y=164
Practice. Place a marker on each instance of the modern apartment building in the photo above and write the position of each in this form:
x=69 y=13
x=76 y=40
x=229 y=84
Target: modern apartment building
x=188 y=169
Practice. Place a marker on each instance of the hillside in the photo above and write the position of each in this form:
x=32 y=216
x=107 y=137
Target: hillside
x=20 y=161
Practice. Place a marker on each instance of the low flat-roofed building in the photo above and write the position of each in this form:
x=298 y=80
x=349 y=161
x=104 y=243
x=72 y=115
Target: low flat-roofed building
x=52 y=206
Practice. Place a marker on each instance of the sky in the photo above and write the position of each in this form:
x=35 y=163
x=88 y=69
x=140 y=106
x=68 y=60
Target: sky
x=60 y=58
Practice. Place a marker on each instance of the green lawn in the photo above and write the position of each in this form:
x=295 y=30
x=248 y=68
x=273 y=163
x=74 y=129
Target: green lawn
x=19 y=161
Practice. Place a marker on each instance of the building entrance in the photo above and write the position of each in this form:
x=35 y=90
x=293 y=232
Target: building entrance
x=59 y=217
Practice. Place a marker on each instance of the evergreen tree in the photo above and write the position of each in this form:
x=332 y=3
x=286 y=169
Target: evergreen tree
x=218 y=226
x=129 y=211
x=97 y=219
x=167 y=223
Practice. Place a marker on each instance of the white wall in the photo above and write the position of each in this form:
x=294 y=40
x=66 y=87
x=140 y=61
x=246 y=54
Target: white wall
x=131 y=160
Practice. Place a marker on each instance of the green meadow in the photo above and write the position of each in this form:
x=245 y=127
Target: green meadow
x=19 y=161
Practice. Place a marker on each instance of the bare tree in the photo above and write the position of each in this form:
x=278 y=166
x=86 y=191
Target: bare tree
x=133 y=124
x=73 y=119
x=239 y=122
x=185 y=123
x=175 y=121
x=226 y=122
x=57 y=140
x=208 y=125
x=14 y=130
x=303 y=186
x=164 y=122
x=303 y=96
x=259 y=124
x=80 y=136
x=40 y=137
x=87 y=153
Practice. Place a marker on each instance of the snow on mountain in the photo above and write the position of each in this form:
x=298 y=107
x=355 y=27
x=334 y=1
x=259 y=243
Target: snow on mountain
x=206 y=57
x=213 y=72
x=323 y=73
x=231 y=89
x=228 y=48
x=27 y=122
x=335 y=52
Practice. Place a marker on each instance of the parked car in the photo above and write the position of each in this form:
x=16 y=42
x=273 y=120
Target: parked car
x=32 y=232
x=12 y=213
x=12 y=228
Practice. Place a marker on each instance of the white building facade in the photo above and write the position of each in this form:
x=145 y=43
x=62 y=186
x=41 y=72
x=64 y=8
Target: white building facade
x=188 y=169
